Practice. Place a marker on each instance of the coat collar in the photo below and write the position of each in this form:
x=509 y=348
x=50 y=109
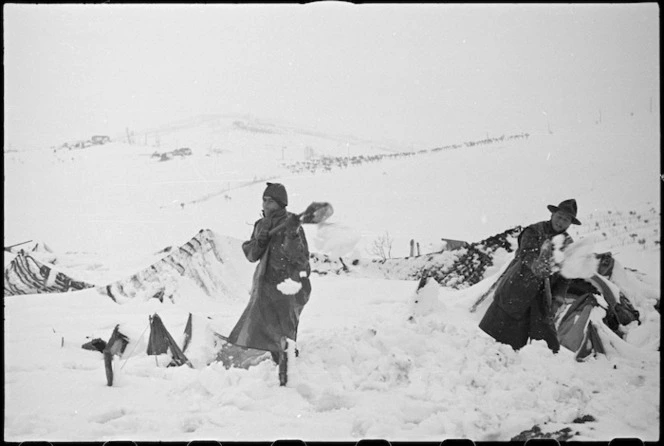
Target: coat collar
x=277 y=216
x=548 y=228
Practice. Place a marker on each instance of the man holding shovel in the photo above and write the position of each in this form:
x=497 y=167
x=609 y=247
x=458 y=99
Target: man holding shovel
x=281 y=285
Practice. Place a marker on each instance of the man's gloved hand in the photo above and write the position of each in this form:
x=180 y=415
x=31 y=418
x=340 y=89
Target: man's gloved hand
x=541 y=268
x=292 y=222
x=263 y=237
x=542 y=265
x=546 y=251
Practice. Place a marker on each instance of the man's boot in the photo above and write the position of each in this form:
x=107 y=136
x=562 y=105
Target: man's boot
x=283 y=362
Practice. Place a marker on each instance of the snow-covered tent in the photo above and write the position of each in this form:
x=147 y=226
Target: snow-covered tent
x=160 y=342
x=204 y=259
x=200 y=345
x=576 y=329
x=25 y=273
x=602 y=316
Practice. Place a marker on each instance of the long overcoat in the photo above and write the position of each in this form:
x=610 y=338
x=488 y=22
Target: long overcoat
x=280 y=286
x=519 y=310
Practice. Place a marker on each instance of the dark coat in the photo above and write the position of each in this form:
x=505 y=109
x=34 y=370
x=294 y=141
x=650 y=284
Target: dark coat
x=519 y=310
x=270 y=314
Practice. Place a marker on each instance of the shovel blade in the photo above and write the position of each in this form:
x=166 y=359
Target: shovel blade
x=316 y=212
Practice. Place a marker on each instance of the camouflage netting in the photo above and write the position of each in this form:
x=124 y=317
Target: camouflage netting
x=457 y=269
x=473 y=261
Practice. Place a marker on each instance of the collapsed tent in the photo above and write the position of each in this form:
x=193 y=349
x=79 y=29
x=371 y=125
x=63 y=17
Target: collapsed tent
x=596 y=314
x=200 y=259
x=212 y=263
x=160 y=342
x=201 y=345
x=206 y=260
x=576 y=329
x=25 y=274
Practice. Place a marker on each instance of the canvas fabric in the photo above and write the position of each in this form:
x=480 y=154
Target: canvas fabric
x=577 y=332
x=149 y=282
x=161 y=342
x=27 y=275
x=573 y=325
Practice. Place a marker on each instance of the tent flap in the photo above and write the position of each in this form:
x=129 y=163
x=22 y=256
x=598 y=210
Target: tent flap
x=161 y=342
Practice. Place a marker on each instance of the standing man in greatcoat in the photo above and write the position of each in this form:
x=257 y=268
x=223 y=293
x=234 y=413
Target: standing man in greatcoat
x=522 y=307
x=281 y=285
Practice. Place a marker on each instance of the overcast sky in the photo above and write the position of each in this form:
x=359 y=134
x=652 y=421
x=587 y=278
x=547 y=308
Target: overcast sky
x=421 y=73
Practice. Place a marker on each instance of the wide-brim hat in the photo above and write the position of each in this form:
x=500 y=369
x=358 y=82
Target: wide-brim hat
x=567 y=207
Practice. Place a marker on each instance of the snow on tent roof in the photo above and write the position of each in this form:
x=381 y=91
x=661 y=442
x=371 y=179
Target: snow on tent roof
x=203 y=259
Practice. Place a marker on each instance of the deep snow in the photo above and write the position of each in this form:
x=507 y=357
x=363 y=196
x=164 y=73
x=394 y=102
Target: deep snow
x=366 y=369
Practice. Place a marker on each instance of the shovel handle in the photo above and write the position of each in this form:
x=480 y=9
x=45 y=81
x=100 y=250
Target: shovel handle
x=282 y=225
x=311 y=215
x=547 y=292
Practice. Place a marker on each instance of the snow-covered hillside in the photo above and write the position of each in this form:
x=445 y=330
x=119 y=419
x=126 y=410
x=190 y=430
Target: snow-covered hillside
x=366 y=368
x=242 y=133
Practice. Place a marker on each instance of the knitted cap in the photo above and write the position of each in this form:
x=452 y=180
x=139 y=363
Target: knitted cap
x=277 y=192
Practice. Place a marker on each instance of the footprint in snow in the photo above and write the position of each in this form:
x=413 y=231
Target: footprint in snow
x=109 y=415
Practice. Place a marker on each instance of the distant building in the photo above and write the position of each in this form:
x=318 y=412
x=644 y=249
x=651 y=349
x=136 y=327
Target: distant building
x=80 y=144
x=100 y=139
x=183 y=151
x=165 y=156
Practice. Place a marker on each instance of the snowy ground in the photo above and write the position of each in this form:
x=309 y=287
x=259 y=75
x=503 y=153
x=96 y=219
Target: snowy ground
x=365 y=370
